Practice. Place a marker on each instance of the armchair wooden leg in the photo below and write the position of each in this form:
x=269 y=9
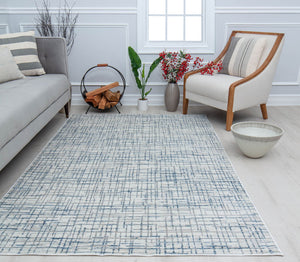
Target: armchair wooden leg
x=229 y=119
x=263 y=108
x=66 y=107
x=185 y=106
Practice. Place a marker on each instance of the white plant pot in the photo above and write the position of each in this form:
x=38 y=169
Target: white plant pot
x=143 y=105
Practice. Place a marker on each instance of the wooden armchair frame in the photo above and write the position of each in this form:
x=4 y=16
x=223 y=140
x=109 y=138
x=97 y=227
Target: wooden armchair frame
x=230 y=113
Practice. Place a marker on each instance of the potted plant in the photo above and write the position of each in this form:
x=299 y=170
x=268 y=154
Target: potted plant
x=141 y=79
x=174 y=65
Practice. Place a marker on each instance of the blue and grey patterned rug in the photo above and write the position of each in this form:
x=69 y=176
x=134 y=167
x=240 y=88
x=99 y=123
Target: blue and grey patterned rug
x=132 y=185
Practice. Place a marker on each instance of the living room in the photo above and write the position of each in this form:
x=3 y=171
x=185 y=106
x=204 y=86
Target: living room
x=172 y=181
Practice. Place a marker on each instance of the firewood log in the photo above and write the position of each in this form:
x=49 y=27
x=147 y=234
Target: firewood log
x=97 y=98
x=92 y=100
x=107 y=105
x=101 y=89
x=102 y=103
x=112 y=96
x=118 y=95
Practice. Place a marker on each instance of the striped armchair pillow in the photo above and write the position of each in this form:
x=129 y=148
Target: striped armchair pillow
x=24 y=50
x=243 y=56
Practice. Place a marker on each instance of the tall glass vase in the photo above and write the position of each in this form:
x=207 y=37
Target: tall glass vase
x=172 y=95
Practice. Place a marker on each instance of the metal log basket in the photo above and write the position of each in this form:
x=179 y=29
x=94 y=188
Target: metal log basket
x=83 y=89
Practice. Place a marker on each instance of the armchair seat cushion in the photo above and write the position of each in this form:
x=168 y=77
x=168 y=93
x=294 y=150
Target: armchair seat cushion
x=216 y=86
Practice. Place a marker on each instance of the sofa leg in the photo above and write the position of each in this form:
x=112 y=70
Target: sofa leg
x=263 y=108
x=185 y=106
x=66 y=107
x=229 y=120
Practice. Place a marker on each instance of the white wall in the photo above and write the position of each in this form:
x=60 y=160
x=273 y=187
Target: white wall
x=106 y=28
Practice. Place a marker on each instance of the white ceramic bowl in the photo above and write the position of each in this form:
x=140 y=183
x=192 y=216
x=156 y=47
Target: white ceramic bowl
x=255 y=139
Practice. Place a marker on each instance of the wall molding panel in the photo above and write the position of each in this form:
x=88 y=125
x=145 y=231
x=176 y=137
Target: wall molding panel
x=31 y=26
x=258 y=10
x=258 y=26
x=123 y=26
x=4 y=28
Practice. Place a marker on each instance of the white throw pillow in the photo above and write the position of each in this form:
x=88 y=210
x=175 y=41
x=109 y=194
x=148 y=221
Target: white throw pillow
x=8 y=66
x=243 y=56
x=24 y=50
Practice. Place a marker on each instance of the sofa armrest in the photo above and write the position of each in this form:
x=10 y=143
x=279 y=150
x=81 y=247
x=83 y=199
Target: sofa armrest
x=52 y=54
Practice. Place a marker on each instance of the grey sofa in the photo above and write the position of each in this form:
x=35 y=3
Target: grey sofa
x=28 y=104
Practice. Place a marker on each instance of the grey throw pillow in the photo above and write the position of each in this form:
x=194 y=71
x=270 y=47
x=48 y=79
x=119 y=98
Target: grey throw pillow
x=8 y=67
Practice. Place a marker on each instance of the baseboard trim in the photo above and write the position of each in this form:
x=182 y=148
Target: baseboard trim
x=158 y=100
x=284 y=100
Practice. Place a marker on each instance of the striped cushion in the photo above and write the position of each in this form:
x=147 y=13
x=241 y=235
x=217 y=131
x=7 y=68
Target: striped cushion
x=23 y=48
x=243 y=56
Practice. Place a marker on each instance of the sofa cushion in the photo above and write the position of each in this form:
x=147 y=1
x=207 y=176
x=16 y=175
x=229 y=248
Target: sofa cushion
x=22 y=100
x=8 y=67
x=24 y=49
x=215 y=87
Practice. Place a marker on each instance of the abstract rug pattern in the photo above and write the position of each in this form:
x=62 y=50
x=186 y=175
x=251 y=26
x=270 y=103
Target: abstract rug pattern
x=153 y=185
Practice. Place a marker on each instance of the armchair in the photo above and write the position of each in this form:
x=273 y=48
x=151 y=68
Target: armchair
x=231 y=91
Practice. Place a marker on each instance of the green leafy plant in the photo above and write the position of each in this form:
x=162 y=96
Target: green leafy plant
x=138 y=70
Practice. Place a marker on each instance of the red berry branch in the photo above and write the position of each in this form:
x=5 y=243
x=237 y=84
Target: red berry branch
x=175 y=64
x=210 y=68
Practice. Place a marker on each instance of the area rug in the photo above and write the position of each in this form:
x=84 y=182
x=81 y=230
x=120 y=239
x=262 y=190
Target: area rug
x=149 y=185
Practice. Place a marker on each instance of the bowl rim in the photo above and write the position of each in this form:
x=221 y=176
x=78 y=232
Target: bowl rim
x=259 y=138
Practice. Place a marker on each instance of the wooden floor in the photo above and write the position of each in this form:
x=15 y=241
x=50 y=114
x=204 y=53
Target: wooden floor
x=273 y=182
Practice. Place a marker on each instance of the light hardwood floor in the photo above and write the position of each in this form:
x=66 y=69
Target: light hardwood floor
x=273 y=182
